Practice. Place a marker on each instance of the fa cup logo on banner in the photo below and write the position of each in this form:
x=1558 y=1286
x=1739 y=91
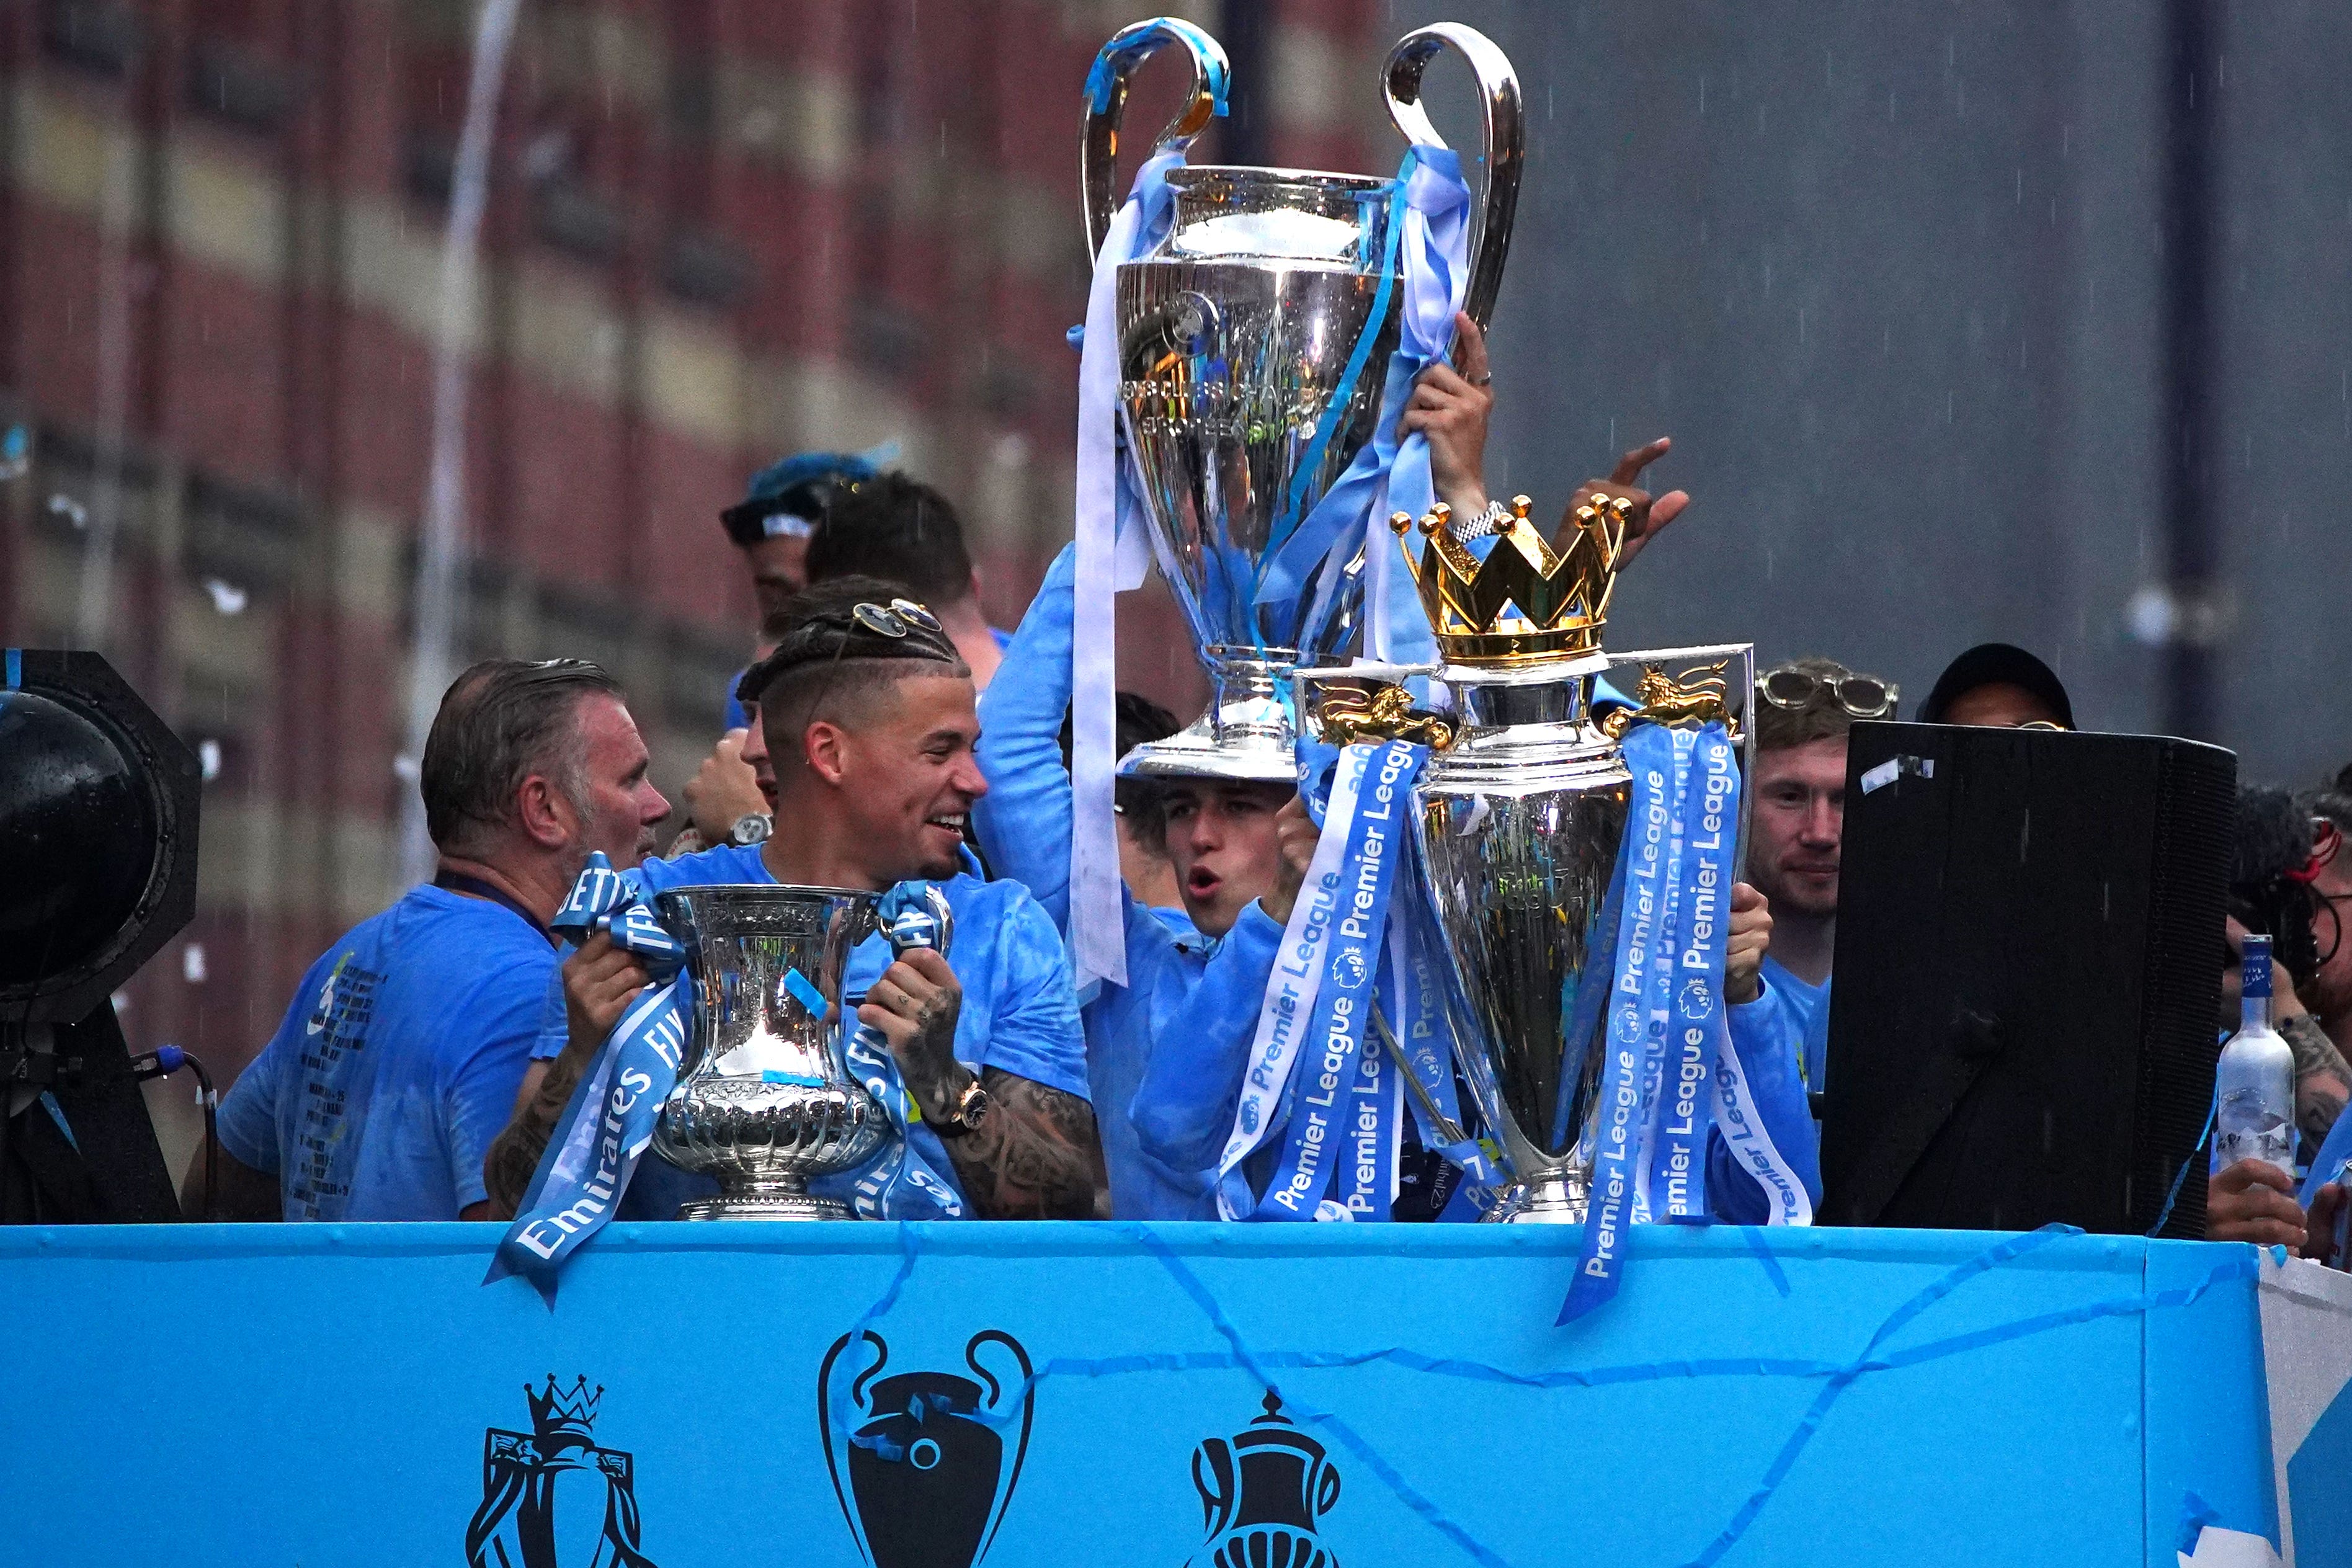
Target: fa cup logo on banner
x=924 y=1463
x=1263 y=1493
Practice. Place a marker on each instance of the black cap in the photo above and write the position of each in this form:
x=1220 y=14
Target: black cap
x=1996 y=664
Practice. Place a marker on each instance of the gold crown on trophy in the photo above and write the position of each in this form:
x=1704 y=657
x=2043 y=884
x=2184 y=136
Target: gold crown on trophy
x=1524 y=604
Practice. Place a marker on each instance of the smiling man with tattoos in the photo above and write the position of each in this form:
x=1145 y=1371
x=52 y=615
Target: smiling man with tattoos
x=861 y=739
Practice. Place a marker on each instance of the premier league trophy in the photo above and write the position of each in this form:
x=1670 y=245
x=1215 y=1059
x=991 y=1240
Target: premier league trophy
x=765 y=1100
x=1519 y=823
x=1252 y=344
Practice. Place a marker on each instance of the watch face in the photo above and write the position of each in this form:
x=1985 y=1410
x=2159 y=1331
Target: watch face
x=751 y=829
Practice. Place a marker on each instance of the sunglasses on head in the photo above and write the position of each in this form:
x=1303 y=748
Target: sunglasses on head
x=1862 y=696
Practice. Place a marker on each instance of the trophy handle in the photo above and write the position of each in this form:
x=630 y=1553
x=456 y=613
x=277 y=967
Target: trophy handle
x=1107 y=105
x=942 y=915
x=1499 y=90
x=943 y=912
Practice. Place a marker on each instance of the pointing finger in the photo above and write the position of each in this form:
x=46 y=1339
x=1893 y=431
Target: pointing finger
x=1470 y=351
x=1629 y=467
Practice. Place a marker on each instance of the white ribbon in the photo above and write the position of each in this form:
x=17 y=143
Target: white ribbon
x=1112 y=558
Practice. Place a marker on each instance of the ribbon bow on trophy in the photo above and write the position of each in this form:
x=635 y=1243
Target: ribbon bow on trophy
x=595 y=1147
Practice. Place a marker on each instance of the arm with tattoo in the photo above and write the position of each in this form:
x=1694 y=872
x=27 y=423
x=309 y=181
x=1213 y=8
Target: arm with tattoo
x=599 y=983
x=2321 y=1078
x=514 y=1154
x=1035 y=1150
x=1033 y=1155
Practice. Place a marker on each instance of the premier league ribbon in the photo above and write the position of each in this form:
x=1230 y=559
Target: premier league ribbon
x=1428 y=234
x=1674 y=1074
x=1413 y=988
x=1319 y=1000
x=1644 y=861
x=592 y=1152
x=1708 y=826
x=1658 y=983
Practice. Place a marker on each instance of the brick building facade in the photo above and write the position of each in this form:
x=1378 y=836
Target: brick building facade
x=717 y=230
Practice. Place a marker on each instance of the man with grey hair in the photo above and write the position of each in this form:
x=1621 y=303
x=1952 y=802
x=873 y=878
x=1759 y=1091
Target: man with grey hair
x=400 y=1057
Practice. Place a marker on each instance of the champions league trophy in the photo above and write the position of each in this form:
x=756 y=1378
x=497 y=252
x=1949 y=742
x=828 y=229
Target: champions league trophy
x=1518 y=821
x=765 y=1100
x=1251 y=348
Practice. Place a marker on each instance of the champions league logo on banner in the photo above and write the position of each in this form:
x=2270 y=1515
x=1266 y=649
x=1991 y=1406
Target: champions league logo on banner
x=551 y=1497
x=924 y=1463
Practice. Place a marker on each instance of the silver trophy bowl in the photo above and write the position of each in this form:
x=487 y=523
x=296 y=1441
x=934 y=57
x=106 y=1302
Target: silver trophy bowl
x=1236 y=337
x=1518 y=828
x=764 y=1101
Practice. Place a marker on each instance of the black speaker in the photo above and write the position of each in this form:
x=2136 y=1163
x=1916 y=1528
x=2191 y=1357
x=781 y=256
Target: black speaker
x=2025 y=1017
x=98 y=806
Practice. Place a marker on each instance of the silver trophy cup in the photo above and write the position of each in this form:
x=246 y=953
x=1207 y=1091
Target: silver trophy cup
x=764 y=1101
x=1520 y=815
x=1518 y=828
x=1235 y=340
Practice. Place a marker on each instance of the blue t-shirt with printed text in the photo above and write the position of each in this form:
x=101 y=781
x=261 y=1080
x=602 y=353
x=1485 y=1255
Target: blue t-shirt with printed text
x=397 y=1063
x=1020 y=1012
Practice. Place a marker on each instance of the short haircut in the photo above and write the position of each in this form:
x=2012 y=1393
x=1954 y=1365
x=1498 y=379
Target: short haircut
x=899 y=530
x=1822 y=719
x=1142 y=802
x=831 y=663
x=500 y=721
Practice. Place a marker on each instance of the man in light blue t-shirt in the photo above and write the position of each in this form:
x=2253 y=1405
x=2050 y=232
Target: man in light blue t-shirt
x=1805 y=711
x=872 y=780
x=400 y=1055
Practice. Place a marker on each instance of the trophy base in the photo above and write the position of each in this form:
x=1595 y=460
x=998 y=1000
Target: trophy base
x=1559 y=1199
x=1246 y=737
x=765 y=1207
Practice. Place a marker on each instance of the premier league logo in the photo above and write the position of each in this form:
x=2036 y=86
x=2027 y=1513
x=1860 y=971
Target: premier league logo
x=1263 y=1493
x=1350 y=970
x=551 y=1497
x=924 y=1463
x=1697 y=1001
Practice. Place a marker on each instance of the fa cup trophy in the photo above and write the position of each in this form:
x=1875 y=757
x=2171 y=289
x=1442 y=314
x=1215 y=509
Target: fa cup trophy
x=1252 y=344
x=1519 y=824
x=765 y=1100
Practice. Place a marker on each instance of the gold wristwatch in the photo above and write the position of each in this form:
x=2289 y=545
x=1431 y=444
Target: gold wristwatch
x=967 y=1107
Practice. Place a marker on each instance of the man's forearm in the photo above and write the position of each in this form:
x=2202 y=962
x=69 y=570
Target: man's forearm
x=514 y=1154
x=2321 y=1077
x=1032 y=1156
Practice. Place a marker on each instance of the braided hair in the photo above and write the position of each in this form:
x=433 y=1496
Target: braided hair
x=844 y=641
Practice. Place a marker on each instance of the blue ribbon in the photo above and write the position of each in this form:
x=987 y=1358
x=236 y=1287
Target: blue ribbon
x=1417 y=980
x=1102 y=76
x=1710 y=828
x=1650 y=755
x=594 y=1150
x=1428 y=243
x=1335 y=1102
